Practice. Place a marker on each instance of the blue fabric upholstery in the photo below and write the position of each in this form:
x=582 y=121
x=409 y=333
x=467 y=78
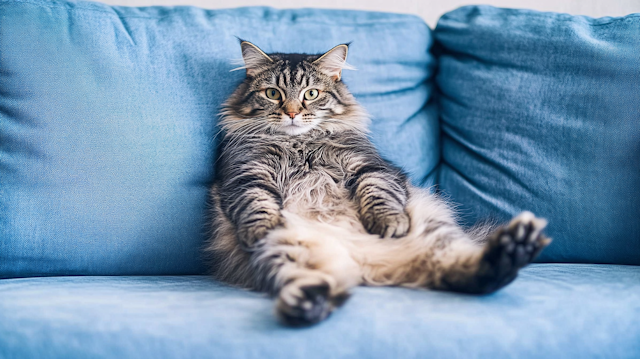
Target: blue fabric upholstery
x=107 y=125
x=551 y=311
x=108 y=114
x=540 y=112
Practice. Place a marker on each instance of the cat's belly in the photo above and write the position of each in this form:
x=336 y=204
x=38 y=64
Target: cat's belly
x=318 y=196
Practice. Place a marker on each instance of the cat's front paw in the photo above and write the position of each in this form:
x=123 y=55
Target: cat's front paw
x=248 y=236
x=391 y=225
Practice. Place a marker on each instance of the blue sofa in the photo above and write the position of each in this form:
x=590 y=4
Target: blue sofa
x=107 y=137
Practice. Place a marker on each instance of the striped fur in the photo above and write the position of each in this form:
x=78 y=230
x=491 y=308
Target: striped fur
x=305 y=208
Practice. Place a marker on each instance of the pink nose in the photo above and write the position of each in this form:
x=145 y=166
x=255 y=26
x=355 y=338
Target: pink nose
x=292 y=114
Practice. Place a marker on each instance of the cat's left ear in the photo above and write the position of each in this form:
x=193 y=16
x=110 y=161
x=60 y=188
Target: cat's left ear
x=333 y=61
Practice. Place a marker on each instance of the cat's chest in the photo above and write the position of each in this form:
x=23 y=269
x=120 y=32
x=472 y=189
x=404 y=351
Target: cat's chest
x=312 y=181
x=304 y=159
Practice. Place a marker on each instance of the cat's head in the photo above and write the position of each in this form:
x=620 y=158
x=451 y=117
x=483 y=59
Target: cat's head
x=292 y=94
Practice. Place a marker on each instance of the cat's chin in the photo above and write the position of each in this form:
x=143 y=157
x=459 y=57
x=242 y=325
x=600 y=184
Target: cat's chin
x=293 y=130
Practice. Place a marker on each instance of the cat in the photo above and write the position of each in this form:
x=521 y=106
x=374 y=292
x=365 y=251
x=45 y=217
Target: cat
x=303 y=206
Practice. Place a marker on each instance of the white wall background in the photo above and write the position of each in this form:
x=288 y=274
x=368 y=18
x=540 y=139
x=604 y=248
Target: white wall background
x=429 y=10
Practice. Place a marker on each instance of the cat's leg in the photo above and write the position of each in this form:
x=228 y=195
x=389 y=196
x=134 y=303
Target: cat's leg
x=504 y=253
x=379 y=191
x=438 y=254
x=229 y=262
x=303 y=264
x=306 y=267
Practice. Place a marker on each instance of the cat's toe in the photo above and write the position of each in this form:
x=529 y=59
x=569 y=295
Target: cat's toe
x=392 y=225
x=303 y=305
x=398 y=226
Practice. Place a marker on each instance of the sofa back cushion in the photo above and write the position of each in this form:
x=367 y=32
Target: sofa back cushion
x=108 y=121
x=541 y=112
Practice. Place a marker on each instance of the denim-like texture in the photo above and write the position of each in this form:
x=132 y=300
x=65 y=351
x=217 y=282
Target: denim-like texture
x=541 y=112
x=551 y=311
x=108 y=121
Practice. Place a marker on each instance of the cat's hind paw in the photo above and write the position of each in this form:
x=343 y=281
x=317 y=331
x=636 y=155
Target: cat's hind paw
x=519 y=242
x=510 y=248
x=303 y=304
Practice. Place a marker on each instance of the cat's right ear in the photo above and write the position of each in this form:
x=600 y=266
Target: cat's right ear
x=254 y=59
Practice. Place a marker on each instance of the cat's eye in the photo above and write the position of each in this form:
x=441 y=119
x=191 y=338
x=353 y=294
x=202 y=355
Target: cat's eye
x=311 y=94
x=273 y=94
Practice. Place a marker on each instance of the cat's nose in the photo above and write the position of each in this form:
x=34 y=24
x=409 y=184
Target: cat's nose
x=292 y=114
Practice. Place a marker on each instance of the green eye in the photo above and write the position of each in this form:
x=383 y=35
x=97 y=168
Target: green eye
x=311 y=94
x=273 y=94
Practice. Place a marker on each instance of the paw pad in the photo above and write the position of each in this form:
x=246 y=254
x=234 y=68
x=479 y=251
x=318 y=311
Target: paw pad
x=509 y=249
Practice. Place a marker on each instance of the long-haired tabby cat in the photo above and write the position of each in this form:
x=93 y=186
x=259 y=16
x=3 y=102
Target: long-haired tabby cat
x=305 y=208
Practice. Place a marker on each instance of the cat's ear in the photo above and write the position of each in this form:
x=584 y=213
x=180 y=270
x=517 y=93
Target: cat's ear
x=333 y=61
x=254 y=59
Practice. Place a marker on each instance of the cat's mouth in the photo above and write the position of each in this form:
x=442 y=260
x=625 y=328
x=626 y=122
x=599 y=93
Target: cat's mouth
x=294 y=126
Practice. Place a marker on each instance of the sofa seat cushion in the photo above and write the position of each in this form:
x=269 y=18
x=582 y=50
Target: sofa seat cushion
x=550 y=311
